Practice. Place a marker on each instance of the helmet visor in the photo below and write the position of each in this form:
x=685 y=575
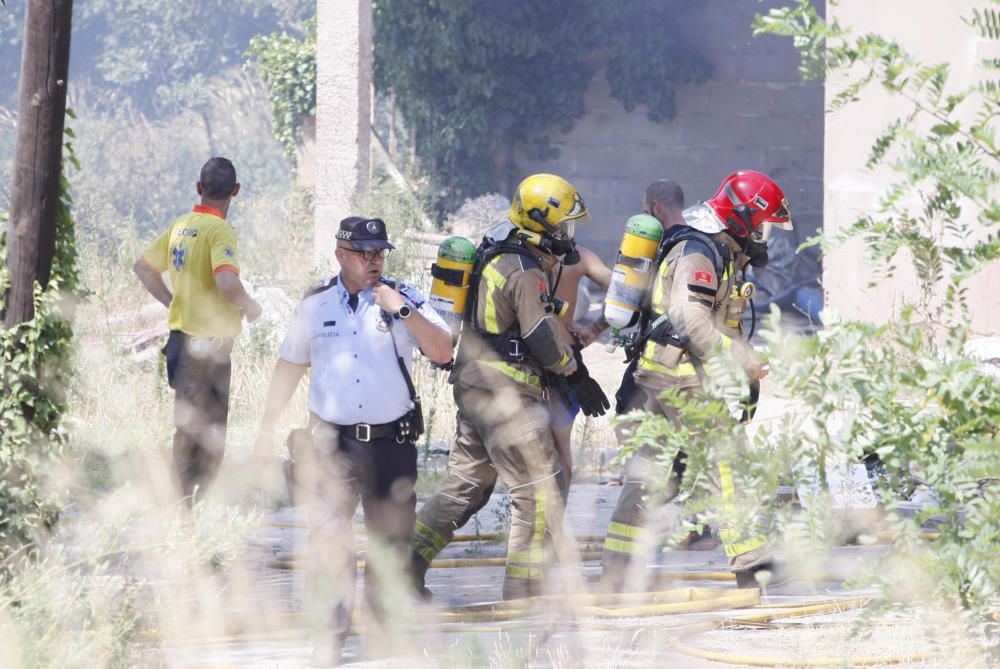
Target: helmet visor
x=762 y=232
x=567 y=229
x=781 y=218
x=577 y=212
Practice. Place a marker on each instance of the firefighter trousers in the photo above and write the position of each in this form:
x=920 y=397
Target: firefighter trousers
x=642 y=515
x=500 y=432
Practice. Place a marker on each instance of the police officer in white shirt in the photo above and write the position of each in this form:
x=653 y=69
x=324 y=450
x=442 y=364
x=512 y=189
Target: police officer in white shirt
x=357 y=331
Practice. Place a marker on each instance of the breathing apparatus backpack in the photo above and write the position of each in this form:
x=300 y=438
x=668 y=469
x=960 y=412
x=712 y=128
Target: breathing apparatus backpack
x=634 y=269
x=508 y=344
x=452 y=274
x=661 y=330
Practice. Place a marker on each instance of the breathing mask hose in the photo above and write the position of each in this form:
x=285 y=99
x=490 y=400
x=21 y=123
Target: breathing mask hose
x=751 y=406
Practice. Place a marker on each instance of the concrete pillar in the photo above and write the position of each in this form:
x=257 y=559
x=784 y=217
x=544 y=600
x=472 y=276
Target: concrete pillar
x=344 y=74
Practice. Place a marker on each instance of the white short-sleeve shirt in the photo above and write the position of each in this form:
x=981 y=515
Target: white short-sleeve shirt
x=355 y=374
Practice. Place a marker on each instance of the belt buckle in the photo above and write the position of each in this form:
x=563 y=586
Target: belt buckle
x=367 y=432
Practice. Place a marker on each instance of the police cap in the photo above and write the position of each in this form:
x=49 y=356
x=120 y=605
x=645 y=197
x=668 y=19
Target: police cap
x=364 y=234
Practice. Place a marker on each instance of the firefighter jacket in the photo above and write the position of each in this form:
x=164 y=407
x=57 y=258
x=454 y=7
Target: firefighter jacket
x=704 y=310
x=515 y=334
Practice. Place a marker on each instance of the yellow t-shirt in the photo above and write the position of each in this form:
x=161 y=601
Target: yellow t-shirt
x=194 y=248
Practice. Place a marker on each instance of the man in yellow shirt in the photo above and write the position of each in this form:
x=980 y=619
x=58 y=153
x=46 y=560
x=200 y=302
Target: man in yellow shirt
x=205 y=315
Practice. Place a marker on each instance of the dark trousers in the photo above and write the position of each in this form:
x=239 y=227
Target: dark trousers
x=381 y=474
x=199 y=370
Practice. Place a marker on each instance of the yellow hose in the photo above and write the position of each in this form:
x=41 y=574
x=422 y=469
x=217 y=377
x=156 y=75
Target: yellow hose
x=294 y=560
x=457 y=563
x=697 y=575
x=683 y=600
x=727 y=599
x=597 y=599
x=834 y=606
x=889 y=537
x=511 y=614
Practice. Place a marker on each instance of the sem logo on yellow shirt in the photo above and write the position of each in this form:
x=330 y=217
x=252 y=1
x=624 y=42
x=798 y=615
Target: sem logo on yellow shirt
x=194 y=249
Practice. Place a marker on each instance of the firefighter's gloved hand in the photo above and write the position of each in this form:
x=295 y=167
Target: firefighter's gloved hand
x=593 y=401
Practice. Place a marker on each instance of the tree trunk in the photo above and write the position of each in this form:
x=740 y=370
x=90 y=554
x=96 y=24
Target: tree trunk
x=31 y=232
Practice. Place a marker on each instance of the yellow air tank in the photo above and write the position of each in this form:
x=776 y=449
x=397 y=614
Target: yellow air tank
x=633 y=271
x=450 y=290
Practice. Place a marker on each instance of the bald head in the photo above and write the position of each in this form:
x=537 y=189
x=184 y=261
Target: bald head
x=664 y=199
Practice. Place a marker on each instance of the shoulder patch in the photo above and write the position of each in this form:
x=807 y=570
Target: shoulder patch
x=319 y=287
x=703 y=276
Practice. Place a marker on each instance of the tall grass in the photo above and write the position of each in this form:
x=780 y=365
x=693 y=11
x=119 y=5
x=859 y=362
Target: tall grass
x=127 y=568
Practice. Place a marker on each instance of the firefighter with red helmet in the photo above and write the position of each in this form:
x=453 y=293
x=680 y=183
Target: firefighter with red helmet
x=693 y=311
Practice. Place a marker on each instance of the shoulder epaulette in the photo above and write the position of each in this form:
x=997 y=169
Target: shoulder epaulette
x=320 y=287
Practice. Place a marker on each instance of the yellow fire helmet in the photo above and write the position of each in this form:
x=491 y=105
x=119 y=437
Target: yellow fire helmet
x=549 y=205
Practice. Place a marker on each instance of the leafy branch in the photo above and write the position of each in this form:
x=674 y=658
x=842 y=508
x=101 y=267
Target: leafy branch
x=288 y=66
x=35 y=364
x=947 y=166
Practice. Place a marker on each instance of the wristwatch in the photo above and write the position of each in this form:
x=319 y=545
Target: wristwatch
x=405 y=311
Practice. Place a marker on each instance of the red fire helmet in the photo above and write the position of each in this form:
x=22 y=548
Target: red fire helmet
x=750 y=203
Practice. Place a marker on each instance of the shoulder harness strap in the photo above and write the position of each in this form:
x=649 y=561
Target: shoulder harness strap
x=508 y=344
x=660 y=329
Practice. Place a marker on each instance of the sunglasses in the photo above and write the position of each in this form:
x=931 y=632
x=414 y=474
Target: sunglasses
x=369 y=256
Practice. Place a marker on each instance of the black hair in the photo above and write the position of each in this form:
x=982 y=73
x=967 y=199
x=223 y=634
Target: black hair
x=218 y=178
x=667 y=192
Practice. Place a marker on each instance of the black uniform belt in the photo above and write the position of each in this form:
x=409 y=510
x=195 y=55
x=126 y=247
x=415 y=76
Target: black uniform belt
x=364 y=432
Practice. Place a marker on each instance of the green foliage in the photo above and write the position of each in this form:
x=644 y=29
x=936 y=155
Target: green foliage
x=37 y=359
x=944 y=197
x=160 y=53
x=476 y=78
x=288 y=66
x=929 y=413
x=854 y=390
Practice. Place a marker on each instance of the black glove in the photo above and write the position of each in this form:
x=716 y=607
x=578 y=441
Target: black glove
x=593 y=401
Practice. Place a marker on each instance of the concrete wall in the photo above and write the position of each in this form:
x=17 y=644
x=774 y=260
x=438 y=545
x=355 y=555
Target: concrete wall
x=754 y=113
x=934 y=32
x=343 y=114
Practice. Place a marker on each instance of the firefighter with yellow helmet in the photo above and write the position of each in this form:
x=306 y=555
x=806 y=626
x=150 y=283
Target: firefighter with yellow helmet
x=694 y=311
x=513 y=351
